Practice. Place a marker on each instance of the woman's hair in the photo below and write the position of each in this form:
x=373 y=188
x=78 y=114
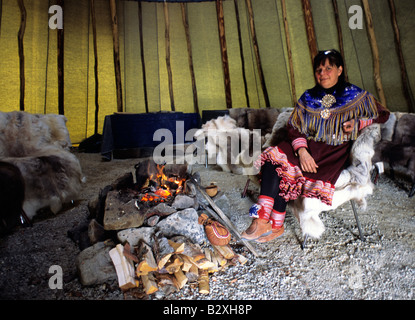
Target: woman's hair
x=334 y=57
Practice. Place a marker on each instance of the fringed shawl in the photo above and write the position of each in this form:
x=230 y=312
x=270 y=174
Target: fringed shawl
x=351 y=103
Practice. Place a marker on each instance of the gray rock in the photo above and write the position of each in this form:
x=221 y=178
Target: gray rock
x=96 y=232
x=120 y=214
x=161 y=210
x=134 y=235
x=94 y=264
x=182 y=201
x=152 y=221
x=183 y=223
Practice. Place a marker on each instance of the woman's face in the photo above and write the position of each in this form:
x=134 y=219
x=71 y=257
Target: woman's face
x=327 y=75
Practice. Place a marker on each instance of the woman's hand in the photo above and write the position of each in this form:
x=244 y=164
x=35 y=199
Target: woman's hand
x=307 y=162
x=348 y=126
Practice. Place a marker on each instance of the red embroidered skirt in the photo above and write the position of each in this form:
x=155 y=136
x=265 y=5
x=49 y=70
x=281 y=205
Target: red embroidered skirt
x=294 y=183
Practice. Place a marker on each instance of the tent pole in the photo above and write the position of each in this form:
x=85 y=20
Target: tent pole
x=256 y=50
x=115 y=39
x=190 y=55
x=224 y=52
x=340 y=36
x=20 y=36
x=94 y=33
x=168 y=64
x=143 y=65
x=290 y=59
x=375 y=52
x=60 y=45
x=406 y=86
x=241 y=52
x=311 y=33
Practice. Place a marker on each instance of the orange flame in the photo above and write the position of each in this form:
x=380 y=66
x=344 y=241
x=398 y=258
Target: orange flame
x=163 y=191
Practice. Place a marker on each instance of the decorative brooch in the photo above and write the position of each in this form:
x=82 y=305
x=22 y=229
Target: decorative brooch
x=327 y=101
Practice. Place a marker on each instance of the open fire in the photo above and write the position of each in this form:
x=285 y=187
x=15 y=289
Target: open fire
x=158 y=187
x=160 y=232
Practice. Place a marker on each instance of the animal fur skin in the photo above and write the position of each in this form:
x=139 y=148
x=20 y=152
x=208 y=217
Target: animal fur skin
x=397 y=147
x=38 y=145
x=11 y=196
x=230 y=146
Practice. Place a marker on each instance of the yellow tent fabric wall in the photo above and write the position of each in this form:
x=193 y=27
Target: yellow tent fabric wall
x=40 y=50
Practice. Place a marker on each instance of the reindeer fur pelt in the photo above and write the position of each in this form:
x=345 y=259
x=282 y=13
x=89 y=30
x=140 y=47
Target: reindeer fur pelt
x=39 y=146
x=11 y=196
x=279 y=129
x=248 y=118
x=229 y=156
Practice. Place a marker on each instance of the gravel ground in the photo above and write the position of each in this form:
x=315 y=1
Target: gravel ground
x=338 y=266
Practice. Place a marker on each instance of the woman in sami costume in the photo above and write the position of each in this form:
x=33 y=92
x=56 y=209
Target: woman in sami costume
x=321 y=130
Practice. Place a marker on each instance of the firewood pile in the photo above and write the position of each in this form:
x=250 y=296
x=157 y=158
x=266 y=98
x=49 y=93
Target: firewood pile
x=170 y=264
x=162 y=243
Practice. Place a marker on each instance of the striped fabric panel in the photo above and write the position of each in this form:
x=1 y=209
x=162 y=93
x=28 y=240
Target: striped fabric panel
x=299 y=143
x=364 y=123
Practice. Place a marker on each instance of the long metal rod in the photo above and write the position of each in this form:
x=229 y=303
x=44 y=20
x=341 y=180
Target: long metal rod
x=304 y=242
x=357 y=220
x=223 y=216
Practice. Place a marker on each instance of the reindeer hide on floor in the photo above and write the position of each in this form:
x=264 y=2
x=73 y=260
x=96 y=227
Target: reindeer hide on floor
x=38 y=145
